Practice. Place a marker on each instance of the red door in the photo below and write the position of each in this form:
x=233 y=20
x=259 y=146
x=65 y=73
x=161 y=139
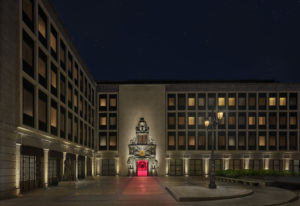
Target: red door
x=142 y=168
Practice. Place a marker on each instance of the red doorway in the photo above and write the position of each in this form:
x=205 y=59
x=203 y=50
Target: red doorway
x=142 y=168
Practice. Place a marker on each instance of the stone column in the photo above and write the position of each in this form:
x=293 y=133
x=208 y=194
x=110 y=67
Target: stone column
x=18 y=155
x=63 y=164
x=46 y=155
x=76 y=168
x=85 y=166
x=246 y=163
x=93 y=165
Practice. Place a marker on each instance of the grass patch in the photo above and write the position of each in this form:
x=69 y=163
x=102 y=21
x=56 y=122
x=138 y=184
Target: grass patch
x=243 y=173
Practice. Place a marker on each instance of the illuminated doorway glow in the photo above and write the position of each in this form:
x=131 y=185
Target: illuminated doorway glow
x=142 y=168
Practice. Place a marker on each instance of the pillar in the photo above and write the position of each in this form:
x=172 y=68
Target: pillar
x=206 y=166
x=286 y=163
x=46 y=154
x=266 y=163
x=85 y=166
x=63 y=164
x=246 y=163
x=186 y=166
x=226 y=164
x=93 y=165
x=76 y=168
x=18 y=155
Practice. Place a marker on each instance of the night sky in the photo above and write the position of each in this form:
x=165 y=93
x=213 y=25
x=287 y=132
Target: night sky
x=186 y=40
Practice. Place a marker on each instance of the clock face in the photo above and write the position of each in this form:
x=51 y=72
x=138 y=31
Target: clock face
x=142 y=153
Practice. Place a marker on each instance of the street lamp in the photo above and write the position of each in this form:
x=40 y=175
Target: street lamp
x=213 y=120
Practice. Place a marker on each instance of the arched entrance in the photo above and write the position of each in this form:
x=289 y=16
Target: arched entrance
x=142 y=168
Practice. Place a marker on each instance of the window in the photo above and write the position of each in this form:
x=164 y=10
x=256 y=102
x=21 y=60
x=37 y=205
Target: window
x=282 y=120
x=201 y=101
x=262 y=142
x=262 y=101
x=53 y=79
x=181 y=120
x=211 y=101
x=171 y=141
x=28 y=13
x=53 y=42
x=191 y=101
x=102 y=121
x=251 y=120
x=75 y=130
x=28 y=54
x=62 y=55
x=112 y=121
x=282 y=141
x=62 y=122
x=221 y=101
x=272 y=100
x=242 y=101
x=28 y=104
x=171 y=101
x=191 y=120
x=102 y=141
x=231 y=101
x=293 y=141
x=70 y=65
x=231 y=141
x=282 y=101
x=81 y=107
x=272 y=141
x=242 y=120
x=251 y=140
x=171 y=121
x=42 y=68
x=272 y=120
x=252 y=101
x=293 y=101
x=191 y=140
x=181 y=141
x=112 y=102
x=42 y=111
x=262 y=120
x=293 y=120
x=70 y=127
x=102 y=102
x=81 y=133
x=76 y=73
x=181 y=101
x=42 y=27
x=201 y=120
x=70 y=95
x=62 y=88
x=112 y=141
x=242 y=141
x=231 y=120
x=201 y=140
x=75 y=100
x=221 y=141
x=53 y=118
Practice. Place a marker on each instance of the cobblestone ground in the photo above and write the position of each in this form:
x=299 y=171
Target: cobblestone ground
x=127 y=191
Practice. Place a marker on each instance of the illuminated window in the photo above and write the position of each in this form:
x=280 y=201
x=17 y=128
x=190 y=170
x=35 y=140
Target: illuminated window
x=201 y=101
x=112 y=121
x=231 y=120
x=53 y=40
x=251 y=120
x=42 y=25
x=231 y=141
x=262 y=120
x=102 y=121
x=53 y=79
x=282 y=101
x=112 y=141
x=191 y=120
x=171 y=140
x=171 y=120
x=102 y=140
x=142 y=139
x=192 y=140
x=28 y=9
x=181 y=140
x=262 y=141
x=75 y=99
x=221 y=101
x=293 y=120
x=171 y=101
x=102 y=102
x=53 y=115
x=112 y=102
x=231 y=101
x=42 y=67
x=181 y=120
x=201 y=120
x=272 y=101
x=191 y=101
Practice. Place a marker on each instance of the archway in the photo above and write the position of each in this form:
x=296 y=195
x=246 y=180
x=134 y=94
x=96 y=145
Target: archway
x=142 y=168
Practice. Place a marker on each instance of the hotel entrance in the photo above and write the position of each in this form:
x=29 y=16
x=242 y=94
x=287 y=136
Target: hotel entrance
x=142 y=168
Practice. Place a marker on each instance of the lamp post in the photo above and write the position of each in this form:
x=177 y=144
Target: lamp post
x=213 y=120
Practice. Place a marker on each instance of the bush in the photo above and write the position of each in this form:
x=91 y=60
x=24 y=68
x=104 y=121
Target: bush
x=243 y=173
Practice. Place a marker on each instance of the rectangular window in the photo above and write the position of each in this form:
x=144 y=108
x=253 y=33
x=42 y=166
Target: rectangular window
x=42 y=27
x=42 y=111
x=282 y=101
x=191 y=141
x=272 y=141
x=181 y=120
x=252 y=101
x=181 y=140
x=75 y=101
x=62 y=55
x=293 y=141
x=231 y=141
x=81 y=138
x=70 y=65
x=251 y=120
x=171 y=141
x=201 y=120
x=53 y=42
x=76 y=73
x=201 y=140
x=221 y=101
x=262 y=101
x=28 y=54
x=221 y=141
x=191 y=101
x=181 y=101
x=28 y=103
x=242 y=141
x=191 y=120
x=171 y=120
x=28 y=14
x=282 y=141
x=272 y=101
x=171 y=101
x=70 y=127
x=293 y=120
x=62 y=88
x=53 y=77
x=231 y=101
x=201 y=101
x=62 y=122
x=75 y=130
x=53 y=118
x=70 y=95
x=262 y=120
x=112 y=121
x=112 y=141
x=112 y=102
x=42 y=68
x=102 y=121
x=102 y=102
x=102 y=141
x=231 y=121
x=262 y=141
x=211 y=101
x=272 y=120
x=282 y=120
x=242 y=120
x=251 y=141
x=242 y=101
x=293 y=101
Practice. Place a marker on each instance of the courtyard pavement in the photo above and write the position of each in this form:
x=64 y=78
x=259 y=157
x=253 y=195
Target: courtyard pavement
x=135 y=191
